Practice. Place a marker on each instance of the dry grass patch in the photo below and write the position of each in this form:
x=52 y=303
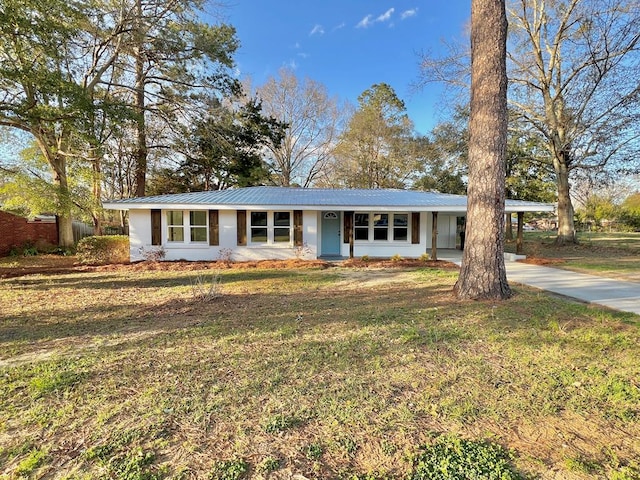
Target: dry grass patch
x=322 y=373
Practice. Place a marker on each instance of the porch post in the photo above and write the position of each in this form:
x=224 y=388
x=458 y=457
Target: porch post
x=434 y=236
x=519 y=235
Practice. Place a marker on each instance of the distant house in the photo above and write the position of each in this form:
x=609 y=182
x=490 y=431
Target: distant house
x=277 y=223
x=16 y=231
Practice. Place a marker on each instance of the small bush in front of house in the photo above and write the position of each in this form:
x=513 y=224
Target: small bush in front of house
x=103 y=249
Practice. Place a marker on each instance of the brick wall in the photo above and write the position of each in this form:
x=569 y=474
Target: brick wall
x=16 y=231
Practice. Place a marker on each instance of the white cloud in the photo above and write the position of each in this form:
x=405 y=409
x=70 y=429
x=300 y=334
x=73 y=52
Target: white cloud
x=338 y=27
x=365 y=22
x=292 y=64
x=386 y=15
x=369 y=20
x=409 y=13
x=317 y=30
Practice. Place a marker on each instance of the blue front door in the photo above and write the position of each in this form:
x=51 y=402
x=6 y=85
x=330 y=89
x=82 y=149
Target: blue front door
x=330 y=234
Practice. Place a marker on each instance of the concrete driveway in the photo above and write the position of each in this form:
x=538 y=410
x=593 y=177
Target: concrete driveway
x=608 y=292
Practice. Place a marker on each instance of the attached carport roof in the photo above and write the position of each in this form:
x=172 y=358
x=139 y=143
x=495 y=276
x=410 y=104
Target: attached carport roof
x=276 y=198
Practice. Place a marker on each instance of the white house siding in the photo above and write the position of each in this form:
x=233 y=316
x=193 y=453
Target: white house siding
x=139 y=233
x=228 y=222
x=140 y=238
x=446 y=239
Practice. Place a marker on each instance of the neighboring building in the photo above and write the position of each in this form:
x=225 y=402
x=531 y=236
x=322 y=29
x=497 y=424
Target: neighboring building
x=16 y=231
x=278 y=223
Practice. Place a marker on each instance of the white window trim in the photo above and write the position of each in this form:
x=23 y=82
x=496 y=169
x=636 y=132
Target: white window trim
x=390 y=229
x=186 y=226
x=270 y=229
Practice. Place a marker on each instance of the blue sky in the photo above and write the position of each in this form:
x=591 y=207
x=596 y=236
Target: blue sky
x=349 y=45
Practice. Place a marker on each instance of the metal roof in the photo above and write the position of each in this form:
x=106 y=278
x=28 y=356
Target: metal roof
x=313 y=199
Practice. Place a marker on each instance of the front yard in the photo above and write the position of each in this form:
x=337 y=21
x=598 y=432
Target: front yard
x=305 y=373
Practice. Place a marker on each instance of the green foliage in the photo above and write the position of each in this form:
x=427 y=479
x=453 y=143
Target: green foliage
x=26 y=250
x=229 y=469
x=582 y=465
x=313 y=451
x=268 y=465
x=134 y=465
x=223 y=150
x=280 y=423
x=377 y=149
x=103 y=249
x=33 y=460
x=50 y=382
x=453 y=458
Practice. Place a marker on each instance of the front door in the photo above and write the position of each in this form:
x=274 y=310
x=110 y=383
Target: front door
x=330 y=234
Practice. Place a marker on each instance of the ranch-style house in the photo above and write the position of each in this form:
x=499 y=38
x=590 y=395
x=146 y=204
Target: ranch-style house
x=255 y=223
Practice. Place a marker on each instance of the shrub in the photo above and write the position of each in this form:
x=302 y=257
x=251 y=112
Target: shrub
x=103 y=249
x=425 y=257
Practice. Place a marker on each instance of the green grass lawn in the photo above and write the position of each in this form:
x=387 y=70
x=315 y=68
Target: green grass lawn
x=615 y=255
x=338 y=373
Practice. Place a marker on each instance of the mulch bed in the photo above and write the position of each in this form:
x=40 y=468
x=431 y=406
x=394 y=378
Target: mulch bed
x=58 y=265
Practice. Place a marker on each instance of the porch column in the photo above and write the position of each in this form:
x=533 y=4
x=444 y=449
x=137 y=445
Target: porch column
x=434 y=236
x=519 y=235
x=348 y=231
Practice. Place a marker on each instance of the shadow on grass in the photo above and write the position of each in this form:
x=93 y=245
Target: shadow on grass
x=228 y=315
x=148 y=279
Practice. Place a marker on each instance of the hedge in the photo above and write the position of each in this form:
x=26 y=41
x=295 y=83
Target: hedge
x=103 y=249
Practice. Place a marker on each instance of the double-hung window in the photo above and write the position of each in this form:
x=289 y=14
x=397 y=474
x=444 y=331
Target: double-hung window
x=198 y=225
x=361 y=226
x=175 y=226
x=195 y=224
x=380 y=226
x=400 y=227
x=282 y=227
x=259 y=230
x=270 y=227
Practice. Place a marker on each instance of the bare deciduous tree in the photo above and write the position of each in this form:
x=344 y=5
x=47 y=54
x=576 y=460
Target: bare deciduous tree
x=573 y=70
x=313 y=120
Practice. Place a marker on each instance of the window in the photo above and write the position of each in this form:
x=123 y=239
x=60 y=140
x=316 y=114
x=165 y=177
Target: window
x=271 y=227
x=400 y=227
x=361 y=226
x=259 y=227
x=198 y=223
x=175 y=224
x=282 y=227
x=381 y=226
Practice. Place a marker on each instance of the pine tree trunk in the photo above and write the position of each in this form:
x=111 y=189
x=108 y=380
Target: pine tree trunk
x=141 y=128
x=483 y=274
